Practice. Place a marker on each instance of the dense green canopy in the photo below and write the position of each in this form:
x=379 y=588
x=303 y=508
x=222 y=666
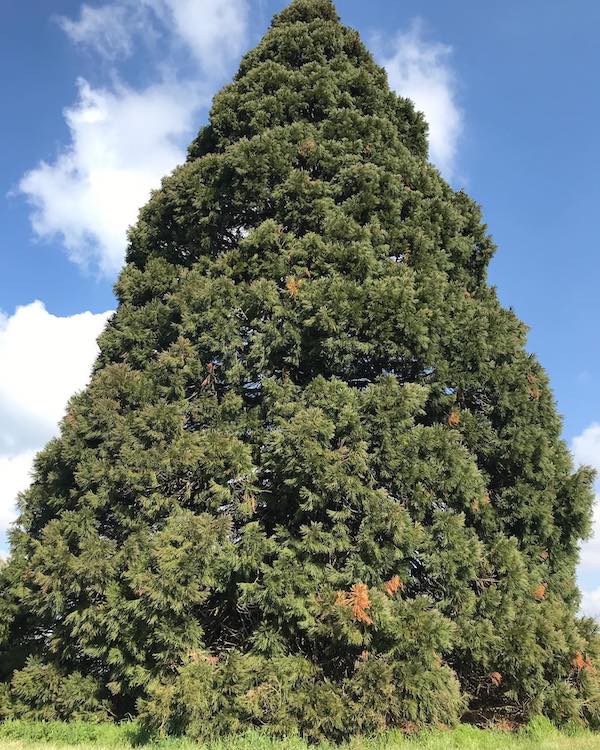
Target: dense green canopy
x=316 y=482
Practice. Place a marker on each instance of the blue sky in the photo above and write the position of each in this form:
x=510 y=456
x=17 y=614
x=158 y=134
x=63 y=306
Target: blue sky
x=512 y=92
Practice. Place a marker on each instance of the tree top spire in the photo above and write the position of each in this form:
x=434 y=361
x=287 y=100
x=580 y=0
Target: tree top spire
x=307 y=10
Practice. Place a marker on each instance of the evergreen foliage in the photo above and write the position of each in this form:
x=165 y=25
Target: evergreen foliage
x=316 y=483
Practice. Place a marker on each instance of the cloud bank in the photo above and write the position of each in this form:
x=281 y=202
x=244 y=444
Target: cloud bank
x=44 y=360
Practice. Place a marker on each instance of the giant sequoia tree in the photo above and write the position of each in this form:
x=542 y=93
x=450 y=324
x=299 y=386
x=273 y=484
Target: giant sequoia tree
x=316 y=482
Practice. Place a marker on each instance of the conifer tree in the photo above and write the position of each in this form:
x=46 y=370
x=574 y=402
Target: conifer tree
x=316 y=483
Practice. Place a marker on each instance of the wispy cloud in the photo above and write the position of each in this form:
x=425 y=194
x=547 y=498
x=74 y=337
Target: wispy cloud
x=123 y=140
x=106 y=29
x=213 y=31
x=44 y=359
x=421 y=70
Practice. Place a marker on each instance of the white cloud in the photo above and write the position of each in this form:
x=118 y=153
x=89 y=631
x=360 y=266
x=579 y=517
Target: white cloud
x=214 y=30
x=590 y=550
x=44 y=359
x=124 y=140
x=14 y=478
x=586 y=450
x=586 y=447
x=420 y=70
x=122 y=143
x=590 y=603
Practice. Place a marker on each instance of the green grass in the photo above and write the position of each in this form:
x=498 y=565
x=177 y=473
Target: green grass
x=21 y=735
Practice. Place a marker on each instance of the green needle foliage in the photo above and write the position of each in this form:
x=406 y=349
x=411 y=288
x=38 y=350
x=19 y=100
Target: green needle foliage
x=316 y=483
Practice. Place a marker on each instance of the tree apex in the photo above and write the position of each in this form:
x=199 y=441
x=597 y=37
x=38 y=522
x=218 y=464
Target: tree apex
x=307 y=10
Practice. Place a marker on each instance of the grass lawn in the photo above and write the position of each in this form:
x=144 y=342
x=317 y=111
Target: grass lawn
x=18 y=735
